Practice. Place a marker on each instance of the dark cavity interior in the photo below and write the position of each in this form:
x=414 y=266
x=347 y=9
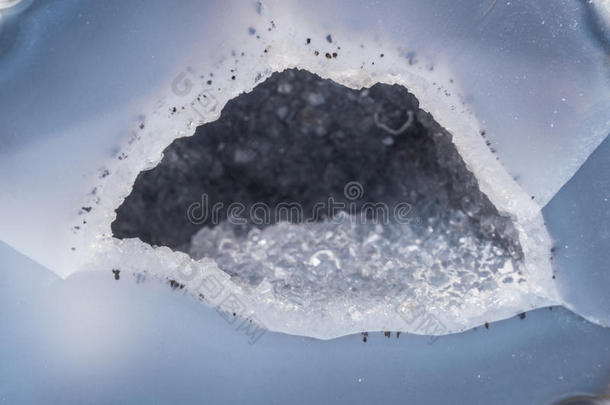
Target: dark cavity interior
x=299 y=138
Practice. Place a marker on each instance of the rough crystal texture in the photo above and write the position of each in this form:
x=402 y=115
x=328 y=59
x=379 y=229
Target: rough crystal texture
x=313 y=266
x=411 y=219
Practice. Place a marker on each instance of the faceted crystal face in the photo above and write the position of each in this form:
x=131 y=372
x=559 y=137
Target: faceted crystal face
x=319 y=194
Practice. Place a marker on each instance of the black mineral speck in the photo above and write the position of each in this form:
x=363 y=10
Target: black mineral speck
x=329 y=38
x=116 y=273
x=175 y=285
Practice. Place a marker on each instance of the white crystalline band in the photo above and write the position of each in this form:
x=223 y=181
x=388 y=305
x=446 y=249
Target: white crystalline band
x=433 y=274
